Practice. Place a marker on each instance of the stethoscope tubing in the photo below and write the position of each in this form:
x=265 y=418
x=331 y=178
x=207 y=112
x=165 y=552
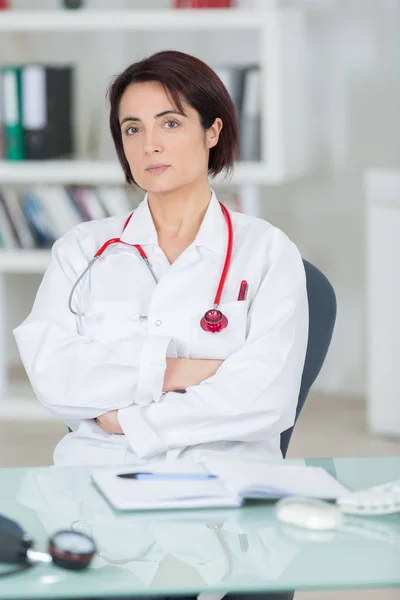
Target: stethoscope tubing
x=143 y=255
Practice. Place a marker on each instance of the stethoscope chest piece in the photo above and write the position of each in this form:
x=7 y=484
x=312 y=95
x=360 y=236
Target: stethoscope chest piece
x=214 y=321
x=71 y=549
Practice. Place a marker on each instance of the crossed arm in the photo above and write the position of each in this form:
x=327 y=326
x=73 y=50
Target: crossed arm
x=180 y=373
x=238 y=399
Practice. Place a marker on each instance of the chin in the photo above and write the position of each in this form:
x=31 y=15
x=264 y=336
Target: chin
x=156 y=185
x=160 y=188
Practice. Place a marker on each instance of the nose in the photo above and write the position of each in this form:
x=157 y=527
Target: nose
x=152 y=142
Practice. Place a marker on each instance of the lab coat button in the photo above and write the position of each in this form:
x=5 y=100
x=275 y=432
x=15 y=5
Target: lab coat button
x=158 y=323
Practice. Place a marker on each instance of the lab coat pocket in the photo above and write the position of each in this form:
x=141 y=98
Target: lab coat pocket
x=109 y=321
x=222 y=344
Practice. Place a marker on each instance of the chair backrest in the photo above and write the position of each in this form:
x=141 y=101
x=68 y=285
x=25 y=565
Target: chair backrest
x=322 y=317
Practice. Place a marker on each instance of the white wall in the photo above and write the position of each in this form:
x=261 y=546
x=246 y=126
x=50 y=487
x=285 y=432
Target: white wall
x=354 y=95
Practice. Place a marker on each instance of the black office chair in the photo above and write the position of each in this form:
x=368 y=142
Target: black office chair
x=322 y=317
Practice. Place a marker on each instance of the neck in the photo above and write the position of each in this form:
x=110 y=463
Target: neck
x=179 y=214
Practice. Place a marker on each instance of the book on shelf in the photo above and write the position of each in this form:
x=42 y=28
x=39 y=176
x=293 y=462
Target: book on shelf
x=15 y=215
x=38 y=220
x=86 y=196
x=7 y=235
x=37 y=217
x=37 y=104
x=62 y=213
x=79 y=203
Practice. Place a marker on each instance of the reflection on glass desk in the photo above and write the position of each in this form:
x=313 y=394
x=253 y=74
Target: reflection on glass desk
x=186 y=552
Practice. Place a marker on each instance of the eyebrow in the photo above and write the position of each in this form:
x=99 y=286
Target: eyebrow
x=161 y=114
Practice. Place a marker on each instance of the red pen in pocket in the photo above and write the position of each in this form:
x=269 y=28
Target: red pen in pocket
x=243 y=290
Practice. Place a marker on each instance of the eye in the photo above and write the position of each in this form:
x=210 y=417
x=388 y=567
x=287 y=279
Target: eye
x=175 y=124
x=129 y=130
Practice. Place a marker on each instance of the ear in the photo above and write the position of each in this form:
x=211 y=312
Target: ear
x=213 y=132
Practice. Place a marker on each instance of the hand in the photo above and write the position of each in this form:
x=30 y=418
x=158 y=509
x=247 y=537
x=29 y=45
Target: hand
x=183 y=372
x=109 y=422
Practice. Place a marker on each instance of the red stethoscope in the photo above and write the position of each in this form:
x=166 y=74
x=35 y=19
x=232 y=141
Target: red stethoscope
x=213 y=320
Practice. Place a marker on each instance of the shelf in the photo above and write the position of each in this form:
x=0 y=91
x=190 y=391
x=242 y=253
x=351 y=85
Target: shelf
x=20 y=404
x=61 y=171
x=24 y=261
x=123 y=20
x=110 y=172
x=23 y=408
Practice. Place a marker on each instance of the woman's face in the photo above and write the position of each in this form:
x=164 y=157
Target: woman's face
x=154 y=132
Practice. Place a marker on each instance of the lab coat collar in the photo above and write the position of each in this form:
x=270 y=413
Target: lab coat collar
x=213 y=232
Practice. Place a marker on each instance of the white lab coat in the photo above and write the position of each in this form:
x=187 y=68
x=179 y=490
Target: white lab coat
x=82 y=367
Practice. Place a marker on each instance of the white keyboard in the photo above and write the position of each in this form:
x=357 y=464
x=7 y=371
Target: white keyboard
x=379 y=500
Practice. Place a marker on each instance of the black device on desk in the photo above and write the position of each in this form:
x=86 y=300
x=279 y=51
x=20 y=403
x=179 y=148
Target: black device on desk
x=67 y=549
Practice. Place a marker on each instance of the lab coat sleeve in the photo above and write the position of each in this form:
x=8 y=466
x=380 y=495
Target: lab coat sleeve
x=76 y=377
x=253 y=396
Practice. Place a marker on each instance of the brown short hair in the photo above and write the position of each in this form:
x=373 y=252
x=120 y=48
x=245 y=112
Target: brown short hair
x=182 y=75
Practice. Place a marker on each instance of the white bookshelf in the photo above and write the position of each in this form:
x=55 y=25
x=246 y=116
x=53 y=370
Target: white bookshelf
x=140 y=20
x=24 y=261
x=110 y=172
x=282 y=61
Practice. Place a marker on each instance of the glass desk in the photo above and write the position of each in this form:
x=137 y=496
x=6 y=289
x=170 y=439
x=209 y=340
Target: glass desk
x=231 y=550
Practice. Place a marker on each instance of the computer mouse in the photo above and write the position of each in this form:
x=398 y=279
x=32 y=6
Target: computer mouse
x=309 y=513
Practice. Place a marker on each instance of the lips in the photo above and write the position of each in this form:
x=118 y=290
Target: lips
x=157 y=169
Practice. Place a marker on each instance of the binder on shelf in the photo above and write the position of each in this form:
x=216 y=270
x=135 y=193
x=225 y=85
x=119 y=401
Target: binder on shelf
x=2 y=143
x=34 y=110
x=72 y=4
x=232 y=78
x=47 y=111
x=59 y=82
x=243 y=84
x=12 y=113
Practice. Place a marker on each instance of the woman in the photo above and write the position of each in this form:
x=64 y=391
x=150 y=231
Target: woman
x=111 y=352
